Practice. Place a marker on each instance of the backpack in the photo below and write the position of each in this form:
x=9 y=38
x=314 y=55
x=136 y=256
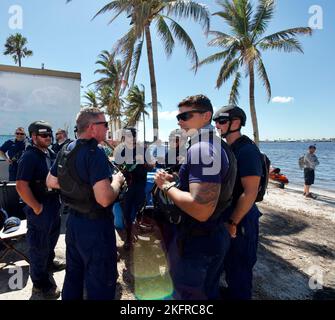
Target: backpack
x=264 y=178
x=301 y=162
x=265 y=166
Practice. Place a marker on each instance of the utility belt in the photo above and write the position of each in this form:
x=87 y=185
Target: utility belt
x=106 y=214
x=187 y=231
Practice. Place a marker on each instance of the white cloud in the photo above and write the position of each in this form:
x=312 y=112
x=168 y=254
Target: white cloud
x=165 y=115
x=283 y=99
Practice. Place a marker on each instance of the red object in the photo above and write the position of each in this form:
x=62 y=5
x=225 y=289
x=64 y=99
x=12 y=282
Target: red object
x=275 y=175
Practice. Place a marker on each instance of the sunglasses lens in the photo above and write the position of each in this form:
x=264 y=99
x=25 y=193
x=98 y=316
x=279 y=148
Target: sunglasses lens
x=184 y=116
x=45 y=135
x=105 y=123
x=222 y=121
x=19 y=133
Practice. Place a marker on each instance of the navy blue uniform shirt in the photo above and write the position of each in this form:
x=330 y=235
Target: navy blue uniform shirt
x=249 y=163
x=34 y=164
x=14 y=150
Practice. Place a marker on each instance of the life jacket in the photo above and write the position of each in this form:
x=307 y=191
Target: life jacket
x=76 y=193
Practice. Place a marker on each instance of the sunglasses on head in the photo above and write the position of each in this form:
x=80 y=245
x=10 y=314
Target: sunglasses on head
x=222 y=121
x=45 y=135
x=185 y=116
x=19 y=133
x=105 y=123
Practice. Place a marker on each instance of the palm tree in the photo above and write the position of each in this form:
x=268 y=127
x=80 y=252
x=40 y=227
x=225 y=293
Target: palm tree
x=16 y=47
x=110 y=85
x=136 y=107
x=243 y=47
x=142 y=13
x=92 y=99
x=112 y=103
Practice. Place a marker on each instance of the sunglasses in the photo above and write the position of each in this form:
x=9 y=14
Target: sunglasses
x=45 y=135
x=19 y=133
x=185 y=116
x=105 y=123
x=222 y=121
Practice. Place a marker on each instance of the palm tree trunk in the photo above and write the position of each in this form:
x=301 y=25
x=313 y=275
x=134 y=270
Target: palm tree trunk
x=144 y=125
x=152 y=82
x=111 y=128
x=19 y=60
x=252 y=102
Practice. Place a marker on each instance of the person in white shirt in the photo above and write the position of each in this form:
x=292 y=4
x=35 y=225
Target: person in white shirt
x=310 y=162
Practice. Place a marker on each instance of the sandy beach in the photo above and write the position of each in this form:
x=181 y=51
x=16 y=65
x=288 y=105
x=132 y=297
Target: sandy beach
x=296 y=256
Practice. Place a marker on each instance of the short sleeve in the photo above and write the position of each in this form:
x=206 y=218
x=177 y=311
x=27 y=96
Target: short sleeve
x=26 y=167
x=98 y=167
x=249 y=161
x=5 y=147
x=206 y=163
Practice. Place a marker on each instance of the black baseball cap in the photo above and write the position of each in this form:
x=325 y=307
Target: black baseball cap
x=39 y=127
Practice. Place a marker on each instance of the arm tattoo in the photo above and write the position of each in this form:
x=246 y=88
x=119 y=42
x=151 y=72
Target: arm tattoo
x=207 y=193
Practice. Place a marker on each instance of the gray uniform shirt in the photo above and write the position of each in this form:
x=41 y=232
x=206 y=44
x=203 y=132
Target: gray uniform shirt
x=310 y=161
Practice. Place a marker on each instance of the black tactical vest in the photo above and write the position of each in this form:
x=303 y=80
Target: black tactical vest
x=76 y=193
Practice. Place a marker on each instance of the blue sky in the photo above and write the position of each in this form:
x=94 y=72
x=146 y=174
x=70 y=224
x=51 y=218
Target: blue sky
x=63 y=37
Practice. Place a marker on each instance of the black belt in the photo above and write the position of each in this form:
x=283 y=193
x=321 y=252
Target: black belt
x=92 y=215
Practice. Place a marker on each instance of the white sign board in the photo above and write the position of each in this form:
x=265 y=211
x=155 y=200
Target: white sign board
x=48 y=95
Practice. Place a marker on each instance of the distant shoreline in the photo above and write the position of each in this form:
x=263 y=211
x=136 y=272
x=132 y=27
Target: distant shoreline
x=307 y=140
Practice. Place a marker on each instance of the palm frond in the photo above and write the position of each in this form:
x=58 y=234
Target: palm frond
x=287 y=34
x=136 y=57
x=223 y=40
x=190 y=9
x=234 y=92
x=263 y=16
x=119 y=6
x=244 y=12
x=231 y=16
x=185 y=40
x=165 y=35
x=264 y=77
x=286 y=45
x=227 y=69
x=215 y=57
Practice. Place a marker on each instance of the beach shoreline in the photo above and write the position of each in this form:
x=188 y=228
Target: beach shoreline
x=296 y=244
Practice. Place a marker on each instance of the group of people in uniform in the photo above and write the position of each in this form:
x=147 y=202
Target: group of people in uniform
x=213 y=187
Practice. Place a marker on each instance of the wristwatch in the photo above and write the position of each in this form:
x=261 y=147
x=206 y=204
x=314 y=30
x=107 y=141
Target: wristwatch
x=169 y=186
x=232 y=222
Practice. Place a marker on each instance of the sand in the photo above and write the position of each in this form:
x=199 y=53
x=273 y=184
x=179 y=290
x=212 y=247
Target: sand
x=296 y=256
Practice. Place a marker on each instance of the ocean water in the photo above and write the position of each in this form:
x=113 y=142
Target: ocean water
x=4 y=138
x=285 y=155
